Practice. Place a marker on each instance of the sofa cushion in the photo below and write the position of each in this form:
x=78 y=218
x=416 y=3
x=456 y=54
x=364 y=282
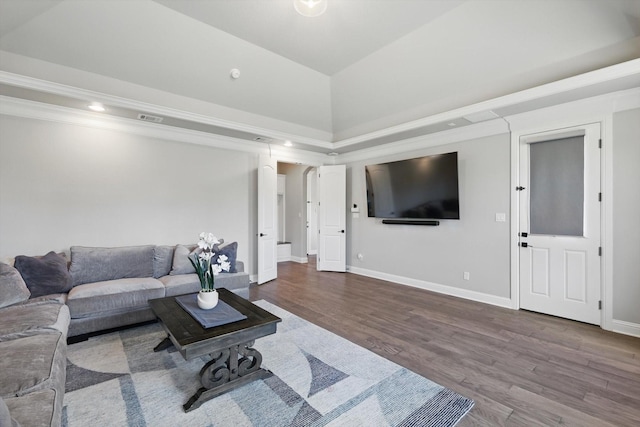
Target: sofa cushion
x=5 y=416
x=181 y=263
x=40 y=408
x=44 y=275
x=162 y=260
x=90 y=265
x=231 y=251
x=32 y=363
x=88 y=299
x=28 y=319
x=181 y=284
x=12 y=286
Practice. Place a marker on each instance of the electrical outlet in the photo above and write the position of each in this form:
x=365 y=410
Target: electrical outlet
x=466 y=275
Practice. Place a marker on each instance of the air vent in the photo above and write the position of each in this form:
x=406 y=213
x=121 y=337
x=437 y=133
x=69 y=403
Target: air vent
x=481 y=116
x=262 y=139
x=149 y=118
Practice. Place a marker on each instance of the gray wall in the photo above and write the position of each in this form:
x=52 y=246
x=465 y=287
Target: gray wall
x=64 y=185
x=476 y=243
x=626 y=216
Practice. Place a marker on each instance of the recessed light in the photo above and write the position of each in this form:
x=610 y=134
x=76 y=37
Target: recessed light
x=288 y=143
x=96 y=106
x=332 y=154
x=452 y=124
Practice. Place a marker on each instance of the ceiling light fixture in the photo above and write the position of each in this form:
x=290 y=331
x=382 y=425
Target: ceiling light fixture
x=288 y=143
x=96 y=106
x=310 y=8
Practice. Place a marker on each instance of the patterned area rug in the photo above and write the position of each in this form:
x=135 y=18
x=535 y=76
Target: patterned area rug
x=319 y=379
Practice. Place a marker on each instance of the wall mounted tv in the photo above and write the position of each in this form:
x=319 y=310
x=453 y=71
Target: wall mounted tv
x=420 y=188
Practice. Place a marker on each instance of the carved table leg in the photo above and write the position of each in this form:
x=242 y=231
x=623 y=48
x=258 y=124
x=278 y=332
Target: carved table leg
x=228 y=369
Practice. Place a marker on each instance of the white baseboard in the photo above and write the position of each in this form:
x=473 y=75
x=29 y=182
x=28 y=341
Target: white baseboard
x=435 y=287
x=300 y=260
x=627 y=328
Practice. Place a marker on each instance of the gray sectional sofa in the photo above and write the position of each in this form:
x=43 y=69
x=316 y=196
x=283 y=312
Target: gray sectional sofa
x=111 y=286
x=44 y=301
x=33 y=354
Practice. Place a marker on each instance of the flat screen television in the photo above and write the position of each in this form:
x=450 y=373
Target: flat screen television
x=420 y=188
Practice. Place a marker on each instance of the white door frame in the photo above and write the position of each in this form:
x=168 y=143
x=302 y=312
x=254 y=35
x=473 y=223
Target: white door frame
x=606 y=227
x=267 y=215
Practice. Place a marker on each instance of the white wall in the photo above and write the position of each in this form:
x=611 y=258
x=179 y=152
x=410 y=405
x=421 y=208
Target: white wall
x=64 y=185
x=626 y=216
x=426 y=255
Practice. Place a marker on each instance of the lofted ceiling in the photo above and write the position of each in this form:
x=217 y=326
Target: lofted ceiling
x=365 y=73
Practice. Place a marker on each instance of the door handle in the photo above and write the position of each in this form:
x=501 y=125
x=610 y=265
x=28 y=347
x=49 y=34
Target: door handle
x=262 y=234
x=523 y=244
x=342 y=231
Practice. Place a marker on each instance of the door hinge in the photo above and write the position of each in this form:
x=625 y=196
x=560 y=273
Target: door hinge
x=600 y=143
x=600 y=305
x=599 y=197
x=600 y=251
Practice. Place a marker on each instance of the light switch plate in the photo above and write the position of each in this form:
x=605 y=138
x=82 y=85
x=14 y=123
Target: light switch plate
x=501 y=217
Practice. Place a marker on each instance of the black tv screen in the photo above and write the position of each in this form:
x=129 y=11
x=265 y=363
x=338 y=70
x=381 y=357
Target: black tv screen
x=424 y=188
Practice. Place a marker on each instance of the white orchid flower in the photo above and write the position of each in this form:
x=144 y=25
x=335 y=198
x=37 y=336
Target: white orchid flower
x=207 y=240
x=206 y=256
x=216 y=268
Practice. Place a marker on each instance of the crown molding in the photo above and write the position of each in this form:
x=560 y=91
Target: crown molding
x=40 y=111
x=475 y=131
x=116 y=101
x=582 y=111
x=604 y=75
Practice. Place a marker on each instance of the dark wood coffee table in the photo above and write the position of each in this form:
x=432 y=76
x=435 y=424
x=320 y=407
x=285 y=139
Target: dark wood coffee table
x=233 y=361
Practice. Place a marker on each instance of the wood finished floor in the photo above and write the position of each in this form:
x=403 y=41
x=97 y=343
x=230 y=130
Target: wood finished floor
x=521 y=368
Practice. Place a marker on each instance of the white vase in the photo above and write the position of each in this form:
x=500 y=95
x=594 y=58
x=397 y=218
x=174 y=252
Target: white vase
x=207 y=300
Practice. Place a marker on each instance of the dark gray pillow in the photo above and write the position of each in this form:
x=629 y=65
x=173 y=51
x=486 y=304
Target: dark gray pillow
x=231 y=251
x=162 y=260
x=90 y=265
x=44 y=275
x=12 y=286
x=181 y=263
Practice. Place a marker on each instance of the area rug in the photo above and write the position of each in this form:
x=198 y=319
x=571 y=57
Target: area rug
x=320 y=379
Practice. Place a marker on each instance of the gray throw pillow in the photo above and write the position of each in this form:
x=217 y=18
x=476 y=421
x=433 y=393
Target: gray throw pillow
x=231 y=251
x=90 y=265
x=44 y=275
x=181 y=263
x=12 y=287
x=162 y=260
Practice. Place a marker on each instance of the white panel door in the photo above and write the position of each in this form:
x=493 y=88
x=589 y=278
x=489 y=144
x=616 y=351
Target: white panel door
x=560 y=223
x=267 y=219
x=332 y=204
